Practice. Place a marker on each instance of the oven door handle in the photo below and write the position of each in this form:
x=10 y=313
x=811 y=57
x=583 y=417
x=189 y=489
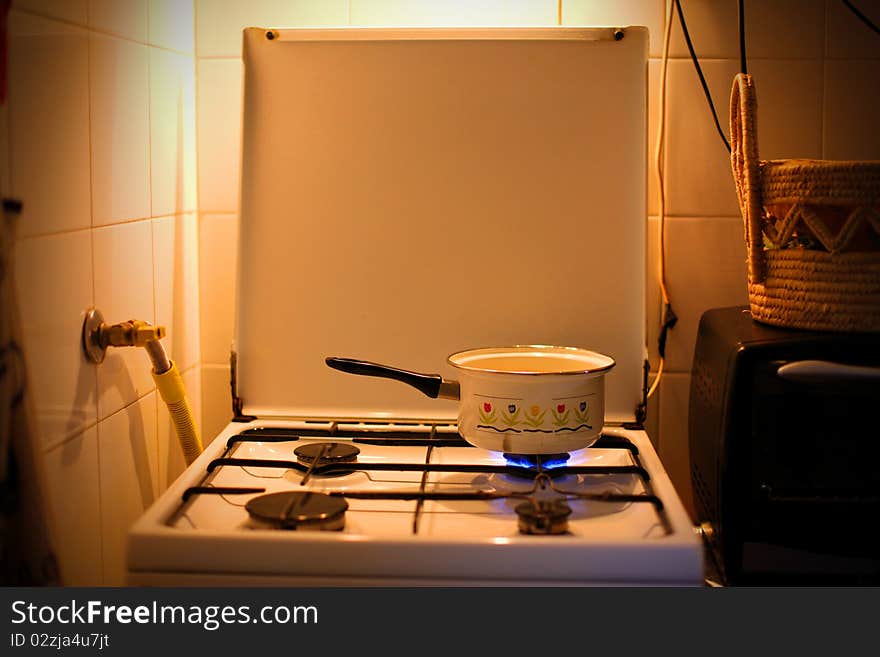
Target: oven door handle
x=823 y=371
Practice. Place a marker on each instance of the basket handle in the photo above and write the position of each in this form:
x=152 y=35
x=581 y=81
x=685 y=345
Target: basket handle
x=746 y=172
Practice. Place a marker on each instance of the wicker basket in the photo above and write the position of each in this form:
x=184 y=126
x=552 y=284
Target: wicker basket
x=812 y=230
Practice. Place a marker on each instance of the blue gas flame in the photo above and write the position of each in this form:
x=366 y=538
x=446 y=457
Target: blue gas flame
x=530 y=461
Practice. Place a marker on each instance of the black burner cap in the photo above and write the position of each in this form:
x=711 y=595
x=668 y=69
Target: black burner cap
x=327 y=452
x=299 y=510
x=543 y=517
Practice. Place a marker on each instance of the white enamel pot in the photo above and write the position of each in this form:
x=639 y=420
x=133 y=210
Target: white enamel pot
x=533 y=399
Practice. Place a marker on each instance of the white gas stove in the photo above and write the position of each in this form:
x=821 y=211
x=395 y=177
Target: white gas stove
x=414 y=505
x=406 y=194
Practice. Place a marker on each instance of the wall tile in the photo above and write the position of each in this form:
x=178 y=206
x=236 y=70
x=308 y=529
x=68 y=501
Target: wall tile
x=172 y=133
x=706 y=268
x=48 y=122
x=652 y=421
x=123 y=265
x=220 y=22
x=120 y=129
x=783 y=29
x=789 y=108
x=713 y=27
x=73 y=483
x=69 y=10
x=176 y=284
x=774 y=29
x=216 y=401
x=5 y=173
x=531 y=12
x=852 y=105
x=698 y=176
x=53 y=278
x=219 y=130
x=218 y=260
x=674 y=394
x=653 y=298
x=171 y=460
x=453 y=13
x=847 y=36
x=654 y=71
x=129 y=465
x=172 y=24
x=126 y=18
x=417 y=13
x=619 y=13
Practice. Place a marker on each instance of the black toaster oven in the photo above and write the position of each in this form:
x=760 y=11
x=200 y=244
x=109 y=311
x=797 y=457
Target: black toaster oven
x=784 y=441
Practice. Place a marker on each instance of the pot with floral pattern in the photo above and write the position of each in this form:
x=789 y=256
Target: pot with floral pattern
x=533 y=399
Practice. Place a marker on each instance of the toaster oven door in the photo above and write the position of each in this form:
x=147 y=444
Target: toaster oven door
x=810 y=474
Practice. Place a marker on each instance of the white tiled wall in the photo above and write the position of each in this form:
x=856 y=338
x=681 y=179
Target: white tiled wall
x=817 y=72
x=128 y=455
x=218 y=239
x=123 y=268
x=72 y=471
x=100 y=127
x=54 y=156
x=119 y=99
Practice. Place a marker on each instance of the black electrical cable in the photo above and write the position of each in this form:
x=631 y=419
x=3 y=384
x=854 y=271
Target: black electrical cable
x=690 y=45
x=742 y=38
x=860 y=16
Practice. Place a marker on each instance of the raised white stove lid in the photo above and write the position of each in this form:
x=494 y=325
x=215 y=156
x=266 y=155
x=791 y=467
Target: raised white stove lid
x=406 y=194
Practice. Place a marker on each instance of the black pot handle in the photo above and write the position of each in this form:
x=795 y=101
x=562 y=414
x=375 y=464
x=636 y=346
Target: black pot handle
x=431 y=385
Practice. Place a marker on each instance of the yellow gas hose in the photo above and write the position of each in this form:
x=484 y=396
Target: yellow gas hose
x=170 y=385
x=98 y=336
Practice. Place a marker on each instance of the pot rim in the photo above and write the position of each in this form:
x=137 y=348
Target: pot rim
x=608 y=364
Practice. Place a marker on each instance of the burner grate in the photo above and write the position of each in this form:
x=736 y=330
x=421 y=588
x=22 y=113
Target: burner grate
x=347 y=468
x=534 y=516
x=365 y=436
x=418 y=436
x=220 y=490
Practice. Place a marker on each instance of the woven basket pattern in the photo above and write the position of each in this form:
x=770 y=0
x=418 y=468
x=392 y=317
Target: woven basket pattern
x=834 y=207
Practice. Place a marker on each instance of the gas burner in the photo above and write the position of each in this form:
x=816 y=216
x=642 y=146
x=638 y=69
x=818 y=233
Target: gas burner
x=325 y=453
x=543 y=517
x=529 y=465
x=298 y=510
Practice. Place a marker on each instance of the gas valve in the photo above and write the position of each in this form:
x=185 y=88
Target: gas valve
x=133 y=333
x=97 y=335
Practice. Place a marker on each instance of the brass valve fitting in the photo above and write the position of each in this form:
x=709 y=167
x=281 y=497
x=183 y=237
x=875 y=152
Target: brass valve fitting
x=133 y=333
x=97 y=335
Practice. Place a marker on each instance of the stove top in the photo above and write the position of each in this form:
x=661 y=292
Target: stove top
x=358 y=503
